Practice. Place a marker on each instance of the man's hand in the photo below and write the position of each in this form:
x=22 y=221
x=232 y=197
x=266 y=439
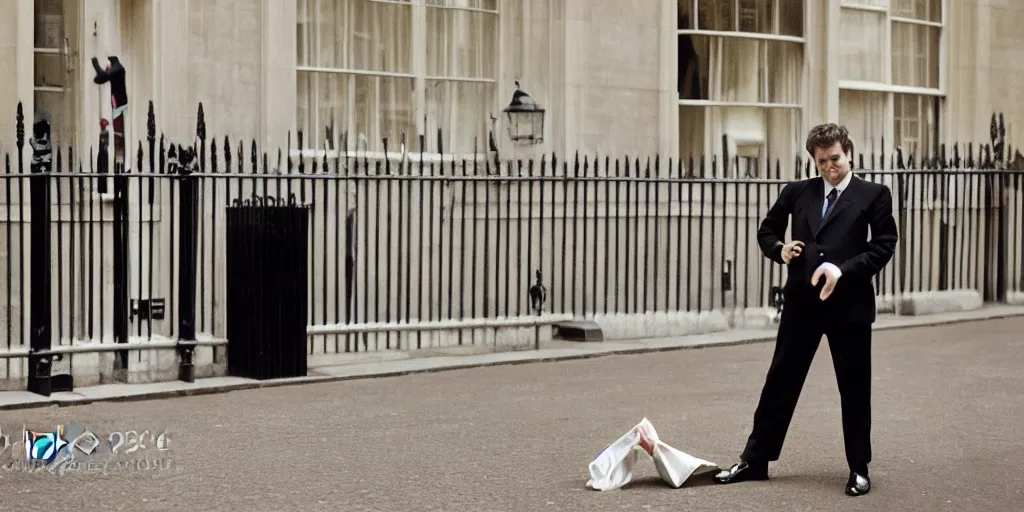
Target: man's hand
x=792 y=250
x=832 y=275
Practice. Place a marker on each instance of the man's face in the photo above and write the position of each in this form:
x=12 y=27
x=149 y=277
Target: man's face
x=833 y=165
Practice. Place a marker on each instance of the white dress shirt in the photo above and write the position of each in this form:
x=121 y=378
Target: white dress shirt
x=840 y=188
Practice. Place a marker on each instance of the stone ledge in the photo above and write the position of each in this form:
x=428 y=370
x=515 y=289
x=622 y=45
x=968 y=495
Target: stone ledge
x=659 y=324
x=161 y=365
x=936 y=302
x=410 y=343
x=10 y=400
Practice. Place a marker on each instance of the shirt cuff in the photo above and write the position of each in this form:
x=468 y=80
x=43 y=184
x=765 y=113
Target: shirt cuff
x=834 y=270
x=776 y=254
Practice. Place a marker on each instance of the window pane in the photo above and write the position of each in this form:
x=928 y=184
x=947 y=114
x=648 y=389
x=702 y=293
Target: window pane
x=739 y=70
x=384 y=108
x=785 y=135
x=754 y=136
x=915 y=55
x=716 y=15
x=785 y=71
x=50 y=70
x=62 y=116
x=355 y=34
x=927 y=10
x=368 y=108
x=863 y=113
x=740 y=67
x=461 y=43
x=692 y=66
x=322 y=100
x=862 y=45
x=49 y=21
x=720 y=68
x=915 y=124
x=692 y=122
x=460 y=110
x=756 y=16
x=57 y=98
x=791 y=17
x=684 y=19
x=752 y=16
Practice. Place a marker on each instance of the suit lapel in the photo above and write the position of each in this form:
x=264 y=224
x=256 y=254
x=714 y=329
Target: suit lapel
x=844 y=202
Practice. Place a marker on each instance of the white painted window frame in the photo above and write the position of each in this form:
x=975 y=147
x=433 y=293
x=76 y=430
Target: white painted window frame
x=887 y=87
x=737 y=34
x=420 y=77
x=70 y=87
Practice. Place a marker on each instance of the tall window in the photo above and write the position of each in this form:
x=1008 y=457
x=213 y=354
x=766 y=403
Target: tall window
x=891 y=67
x=376 y=69
x=740 y=81
x=55 y=33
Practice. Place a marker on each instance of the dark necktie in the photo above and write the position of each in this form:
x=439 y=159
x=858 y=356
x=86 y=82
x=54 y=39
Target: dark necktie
x=829 y=201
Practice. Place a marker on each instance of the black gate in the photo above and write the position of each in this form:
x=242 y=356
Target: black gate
x=267 y=294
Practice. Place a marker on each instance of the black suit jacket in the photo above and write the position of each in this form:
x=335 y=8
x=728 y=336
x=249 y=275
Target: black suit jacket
x=841 y=238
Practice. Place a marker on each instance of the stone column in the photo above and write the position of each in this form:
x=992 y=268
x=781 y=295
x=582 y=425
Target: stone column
x=279 y=76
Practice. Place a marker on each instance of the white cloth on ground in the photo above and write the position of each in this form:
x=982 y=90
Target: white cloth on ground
x=613 y=467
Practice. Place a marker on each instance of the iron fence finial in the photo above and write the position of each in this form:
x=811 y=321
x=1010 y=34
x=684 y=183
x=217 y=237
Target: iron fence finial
x=201 y=123
x=151 y=123
x=20 y=127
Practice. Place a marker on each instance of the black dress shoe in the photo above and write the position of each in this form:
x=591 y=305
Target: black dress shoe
x=743 y=472
x=859 y=484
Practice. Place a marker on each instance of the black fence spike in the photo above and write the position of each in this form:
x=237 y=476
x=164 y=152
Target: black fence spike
x=150 y=123
x=213 y=155
x=20 y=127
x=373 y=236
x=201 y=123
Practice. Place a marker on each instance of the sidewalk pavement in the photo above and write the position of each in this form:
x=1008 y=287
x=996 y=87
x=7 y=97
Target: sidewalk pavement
x=394 y=363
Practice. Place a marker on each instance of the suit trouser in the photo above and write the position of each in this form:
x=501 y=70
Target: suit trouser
x=798 y=339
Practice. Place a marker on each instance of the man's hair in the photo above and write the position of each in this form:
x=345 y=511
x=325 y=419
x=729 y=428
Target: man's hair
x=826 y=135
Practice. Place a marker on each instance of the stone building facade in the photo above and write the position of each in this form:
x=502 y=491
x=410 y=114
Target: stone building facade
x=616 y=77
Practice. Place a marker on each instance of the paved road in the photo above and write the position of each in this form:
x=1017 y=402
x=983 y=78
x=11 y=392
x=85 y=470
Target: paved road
x=947 y=401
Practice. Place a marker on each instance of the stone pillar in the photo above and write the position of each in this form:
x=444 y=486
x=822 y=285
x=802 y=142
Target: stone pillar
x=279 y=76
x=171 y=76
x=17 y=58
x=829 y=13
x=821 y=91
x=668 y=96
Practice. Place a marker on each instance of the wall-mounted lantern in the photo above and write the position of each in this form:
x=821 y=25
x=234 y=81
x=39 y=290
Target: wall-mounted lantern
x=525 y=118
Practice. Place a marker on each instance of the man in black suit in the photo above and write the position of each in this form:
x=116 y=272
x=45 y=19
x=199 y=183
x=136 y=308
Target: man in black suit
x=828 y=292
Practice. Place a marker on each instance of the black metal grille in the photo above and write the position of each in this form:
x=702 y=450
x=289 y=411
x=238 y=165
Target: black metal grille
x=267 y=276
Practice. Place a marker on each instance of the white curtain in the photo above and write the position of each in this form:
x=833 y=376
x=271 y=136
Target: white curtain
x=862 y=45
x=461 y=44
x=355 y=35
x=914 y=124
x=914 y=51
x=864 y=114
x=927 y=10
x=738 y=70
x=372 y=36
x=915 y=55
